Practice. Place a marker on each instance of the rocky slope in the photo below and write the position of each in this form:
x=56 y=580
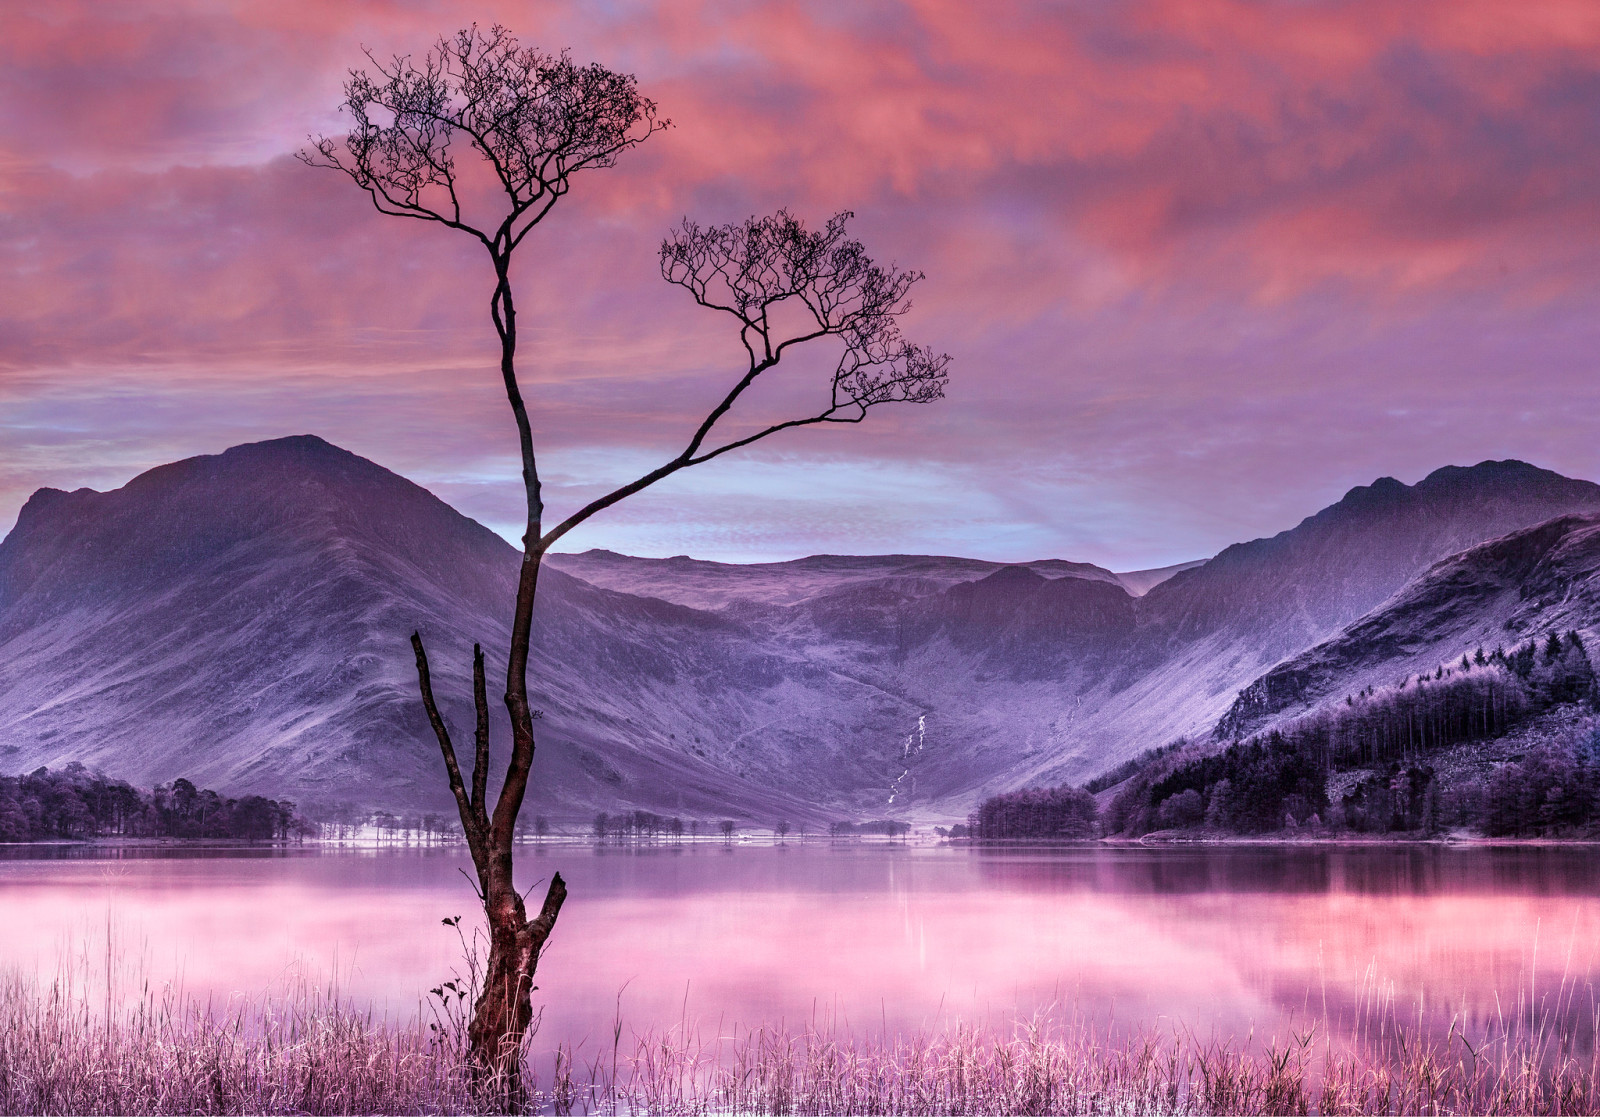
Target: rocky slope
x=242 y=619
x=1525 y=584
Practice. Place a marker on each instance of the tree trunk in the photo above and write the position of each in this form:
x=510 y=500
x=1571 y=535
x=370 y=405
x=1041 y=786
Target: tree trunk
x=504 y=1012
x=504 y=1009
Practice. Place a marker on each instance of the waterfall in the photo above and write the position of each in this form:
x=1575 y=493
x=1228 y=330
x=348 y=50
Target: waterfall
x=915 y=740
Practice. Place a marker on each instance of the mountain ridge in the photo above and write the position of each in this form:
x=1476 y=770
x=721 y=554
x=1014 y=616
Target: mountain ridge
x=243 y=617
x=1527 y=583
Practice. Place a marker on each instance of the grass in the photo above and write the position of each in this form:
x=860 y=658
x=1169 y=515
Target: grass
x=169 y=1054
x=64 y=1050
x=1044 y=1070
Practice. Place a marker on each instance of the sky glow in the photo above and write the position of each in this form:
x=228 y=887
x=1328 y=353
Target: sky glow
x=1202 y=266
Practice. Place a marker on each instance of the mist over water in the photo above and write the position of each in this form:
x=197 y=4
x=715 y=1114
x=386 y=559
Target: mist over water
x=1223 y=942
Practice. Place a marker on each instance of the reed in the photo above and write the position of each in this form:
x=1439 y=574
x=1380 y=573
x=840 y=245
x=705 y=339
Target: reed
x=62 y=1052
x=1044 y=1069
x=64 y=1049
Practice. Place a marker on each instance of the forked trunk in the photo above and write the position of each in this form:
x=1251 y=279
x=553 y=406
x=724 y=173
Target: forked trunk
x=504 y=1012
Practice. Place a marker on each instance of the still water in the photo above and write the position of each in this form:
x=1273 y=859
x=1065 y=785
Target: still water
x=869 y=936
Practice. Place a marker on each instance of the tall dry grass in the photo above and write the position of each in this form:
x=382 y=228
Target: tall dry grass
x=164 y=1053
x=1043 y=1069
x=65 y=1049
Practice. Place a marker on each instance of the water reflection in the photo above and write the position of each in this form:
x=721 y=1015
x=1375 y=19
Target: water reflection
x=173 y=851
x=893 y=937
x=1420 y=870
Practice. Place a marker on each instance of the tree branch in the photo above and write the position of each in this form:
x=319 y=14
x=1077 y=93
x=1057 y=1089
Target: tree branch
x=829 y=416
x=480 y=760
x=759 y=265
x=543 y=923
x=469 y=820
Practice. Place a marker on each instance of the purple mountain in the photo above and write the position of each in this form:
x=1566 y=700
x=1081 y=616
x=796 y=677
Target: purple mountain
x=1523 y=585
x=242 y=620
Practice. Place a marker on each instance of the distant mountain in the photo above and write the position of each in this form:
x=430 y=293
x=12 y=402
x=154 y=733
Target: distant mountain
x=1207 y=632
x=1302 y=585
x=241 y=619
x=715 y=585
x=1141 y=582
x=1498 y=594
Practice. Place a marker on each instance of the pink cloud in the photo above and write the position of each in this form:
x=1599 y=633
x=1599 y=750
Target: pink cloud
x=1133 y=217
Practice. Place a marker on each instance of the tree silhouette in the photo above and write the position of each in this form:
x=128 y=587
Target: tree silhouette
x=536 y=120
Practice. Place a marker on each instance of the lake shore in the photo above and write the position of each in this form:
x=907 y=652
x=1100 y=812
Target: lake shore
x=308 y=1054
x=1157 y=840
x=1165 y=838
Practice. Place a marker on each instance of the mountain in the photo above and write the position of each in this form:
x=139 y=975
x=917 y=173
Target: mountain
x=1302 y=585
x=1525 y=584
x=1206 y=633
x=716 y=585
x=242 y=619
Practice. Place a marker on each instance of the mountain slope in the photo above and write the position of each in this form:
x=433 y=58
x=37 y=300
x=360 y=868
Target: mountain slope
x=242 y=619
x=1208 y=632
x=1302 y=585
x=1526 y=583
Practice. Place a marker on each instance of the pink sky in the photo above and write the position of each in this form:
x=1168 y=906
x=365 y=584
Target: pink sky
x=1202 y=265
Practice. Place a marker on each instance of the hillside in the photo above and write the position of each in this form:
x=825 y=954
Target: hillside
x=241 y=619
x=1466 y=699
x=1530 y=582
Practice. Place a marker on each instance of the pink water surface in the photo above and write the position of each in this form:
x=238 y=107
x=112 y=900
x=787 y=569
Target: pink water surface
x=864 y=936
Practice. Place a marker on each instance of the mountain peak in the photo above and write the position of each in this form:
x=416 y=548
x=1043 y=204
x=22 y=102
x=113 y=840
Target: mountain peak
x=1384 y=490
x=248 y=507
x=1492 y=471
x=43 y=500
x=292 y=441
x=1452 y=484
x=290 y=446
x=1013 y=576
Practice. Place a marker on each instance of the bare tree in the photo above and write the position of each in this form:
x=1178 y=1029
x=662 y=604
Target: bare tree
x=536 y=120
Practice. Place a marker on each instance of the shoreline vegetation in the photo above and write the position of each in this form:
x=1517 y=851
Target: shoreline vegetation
x=64 y=1050
x=1499 y=745
x=1158 y=840
x=75 y=803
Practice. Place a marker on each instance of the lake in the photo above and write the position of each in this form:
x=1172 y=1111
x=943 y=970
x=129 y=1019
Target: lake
x=1223 y=941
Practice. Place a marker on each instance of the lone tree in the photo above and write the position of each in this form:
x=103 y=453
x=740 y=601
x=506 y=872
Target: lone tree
x=535 y=120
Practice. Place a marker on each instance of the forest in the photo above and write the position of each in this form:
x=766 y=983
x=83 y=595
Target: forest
x=1056 y=812
x=74 y=803
x=1380 y=747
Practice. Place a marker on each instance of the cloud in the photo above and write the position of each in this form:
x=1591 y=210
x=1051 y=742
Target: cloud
x=1170 y=243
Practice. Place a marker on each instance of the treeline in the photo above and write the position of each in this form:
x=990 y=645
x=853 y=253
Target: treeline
x=641 y=826
x=1056 y=812
x=645 y=826
x=1280 y=779
x=1482 y=697
x=887 y=827
x=76 y=803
